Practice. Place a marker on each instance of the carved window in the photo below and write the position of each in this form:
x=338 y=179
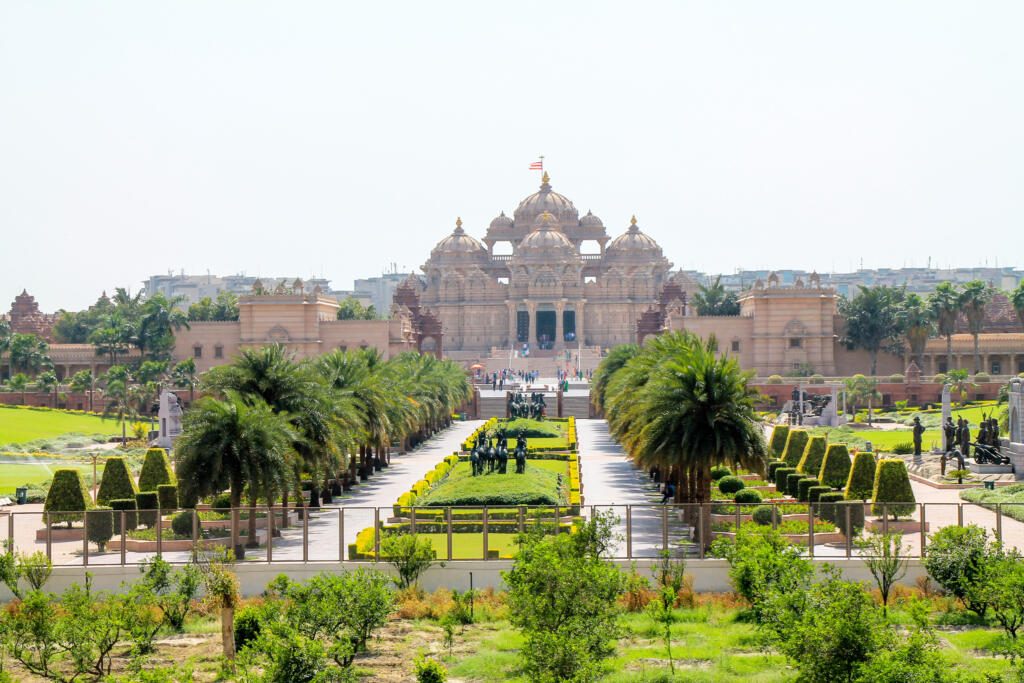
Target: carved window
x=796 y=343
x=735 y=345
x=218 y=351
x=997 y=368
x=197 y=351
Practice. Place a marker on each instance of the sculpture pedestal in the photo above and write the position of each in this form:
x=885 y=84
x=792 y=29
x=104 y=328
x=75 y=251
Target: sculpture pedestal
x=989 y=468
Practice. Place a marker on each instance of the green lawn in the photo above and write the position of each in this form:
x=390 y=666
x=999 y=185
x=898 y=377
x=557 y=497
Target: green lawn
x=33 y=475
x=538 y=486
x=471 y=546
x=18 y=425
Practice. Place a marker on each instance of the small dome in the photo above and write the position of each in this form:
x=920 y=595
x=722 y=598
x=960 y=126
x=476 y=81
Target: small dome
x=502 y=221
x=546 y=238
x=633 y=243
x=459 y=245
x=591 y=221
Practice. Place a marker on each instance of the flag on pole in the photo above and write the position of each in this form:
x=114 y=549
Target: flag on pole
x=537 y=165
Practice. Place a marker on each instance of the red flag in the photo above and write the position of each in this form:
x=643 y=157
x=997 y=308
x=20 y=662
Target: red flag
x=537 y=166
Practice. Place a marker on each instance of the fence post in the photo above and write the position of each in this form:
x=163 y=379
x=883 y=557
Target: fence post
x=885 y=518
x=124 y=536
x=485 y=532
x=412 y=519
x=10 y=532
x=305 y=534
x=159 y=532
x=195 y=532
x=664 y=528
x=700 y=525
x=924 y=527
x=341 y=534
x=49 y=537
x=999 y=522
x=270 y=531
x=448 y=514
x=959 y=514
x=810 y=528
x=85 y=539
x=629 y=532
x=849 y=532
x=376 y=534
x=522 y=519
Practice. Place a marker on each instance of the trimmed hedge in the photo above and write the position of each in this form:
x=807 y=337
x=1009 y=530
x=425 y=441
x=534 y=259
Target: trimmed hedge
x=719 y=471
x=835 y=468
x=781 y=475
x=181 y=523
x=777 y=444
x=730 y=484
x=892 y=486
x=796 y=442
x=763 y=514
x=156 y=470
x=747 y=496
x=167 y=496
x=793 y=483
x=100 y=526
x=131 y=521
x=67 y=495
x=827 y=503
x=116 y=483
x=147 y=502
x=814 y=454
x=815 y=492
x=803 y=486
x=861 y=482
x=856 y=508
x=773 y=467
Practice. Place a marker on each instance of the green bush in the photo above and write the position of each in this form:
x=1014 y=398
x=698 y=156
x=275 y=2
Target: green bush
x=167 y=495
x=730 y=484
x=835 y=468
x=793 y=484
x=747 y=496
x=814 y=454
x=861 y=480
x=781 y=475
x=222 y=501
x=896 y=378
x=429 y=670
x=774 y=379
x=181 y=523
x=763 y=514
x=817 y=378
x=773 y=467
x=719 y=471
x=131 y=521
x=100 y=526
x=905 y=448
x=815 y=492
x=827 y=503
x=939 y=378
x=156 y=470
x=982 y=377
x=116 y=483
x=796 y=442
x=958 y=558
x=777 y=444
x=856 y=508
x=892 y=486
x=67 y=498
x=535 y=429
x=248 y=624
x=147 y=503
x=803 y=486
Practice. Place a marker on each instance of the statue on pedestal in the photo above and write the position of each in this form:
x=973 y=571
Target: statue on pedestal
x=918 y=434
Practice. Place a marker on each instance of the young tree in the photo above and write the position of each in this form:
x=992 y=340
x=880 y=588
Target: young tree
x=872 y=320
x=974 y=297
x=957 y=558
x=886 y=559
x=944 y=304
x=669 y=578
x=861 y=390
x=82 y=382
x=47 y=382
x=28 y=353
x=19 y=382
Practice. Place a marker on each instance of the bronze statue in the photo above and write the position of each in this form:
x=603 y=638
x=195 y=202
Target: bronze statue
x=918 y=434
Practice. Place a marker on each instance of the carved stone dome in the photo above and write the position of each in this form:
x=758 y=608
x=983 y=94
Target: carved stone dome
x=591 y=221
x=546 y=240
x=633 y=244
x=459 y=246
x=546 y=201
x=501 y=222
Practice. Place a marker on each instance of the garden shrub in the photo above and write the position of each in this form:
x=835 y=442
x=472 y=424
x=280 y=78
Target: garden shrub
x=773 y=467
x=958 y=558
x=747 y=496
x=147 y=503
x=167 y=496
x=856 y=508
x=814 y=454
x=793 y=484
x=411 y=555
x=896 y=378
x=67 y=498
x=130 y=515
x=827 y=505
x=939 y=378
x=861 y=480
x=429 y=670
x=156 y=470
x=116 y=483
x=730 y=484
x=248 y=624
x=763 y=514
x=892 y=486
x=803 y=486
x=817 y=378
x=719 y=471
x=815 y=492
x=777 y=444
x=796 y=442
x=835 y=468
x=100 y=526
x=774 y=379
x=222 y=502
x=905 y=448
x=181 y=523
x=982 y=377
x=781 y=475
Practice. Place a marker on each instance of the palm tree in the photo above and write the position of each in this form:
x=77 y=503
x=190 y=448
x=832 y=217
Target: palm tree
x=915 y=319
x=944 y=303
x=28 y=354
x=47 y=381
x=1016 y=300
x=233 y=443
x=5 y=339
x=114 y=336
x=714 y=300
x=959 y=383
x=861 y=389
x=872 y=319
x=974 y=298
x=611 y=364
x=158 y=320
x=119 y=400
x=81 y=382
x=19 y=382
x=184 y=375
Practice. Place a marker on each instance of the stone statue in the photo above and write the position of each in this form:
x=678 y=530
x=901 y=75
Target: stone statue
x=918 y=434
x=170 y=419
x=965 y=438
x=949 y=429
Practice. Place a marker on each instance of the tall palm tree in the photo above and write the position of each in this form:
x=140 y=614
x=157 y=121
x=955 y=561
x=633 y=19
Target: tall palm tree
x=183 y=375
x=915 y=320
x=611 y=364
x=159 y=318
x=46 y=382
x=28 y=354
x=81 y=382
x=5 y=339
x=1017 y=301
x=714 y=300
x=119 y=402
x=974 y=297
x=944 y=303
x=233 y=443
x=861 y=389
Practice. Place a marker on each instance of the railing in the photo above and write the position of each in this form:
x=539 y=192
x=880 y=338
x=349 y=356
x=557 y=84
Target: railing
x=344 y=533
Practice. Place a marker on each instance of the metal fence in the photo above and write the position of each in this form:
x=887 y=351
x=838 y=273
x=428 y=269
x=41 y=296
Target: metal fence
x=345 y=533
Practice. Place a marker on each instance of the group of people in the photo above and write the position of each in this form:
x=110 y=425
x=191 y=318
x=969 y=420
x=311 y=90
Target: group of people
x=487 y=457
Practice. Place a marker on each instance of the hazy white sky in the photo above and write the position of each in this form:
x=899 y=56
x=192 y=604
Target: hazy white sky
x=337 y=137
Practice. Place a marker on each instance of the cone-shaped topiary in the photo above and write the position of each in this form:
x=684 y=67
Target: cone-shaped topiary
x=777 y=444
x=100 y=526
x=67 y=495
x=793 y=484
x=781 y=475
x=116 y=483
x=835 y=468
x=167 y=495
x=773 y=466
x=156 y=470
x=814 y=454
x=856 y=517
x=795 y=445
x=827 y=504
x=130 y=520
x=147 y=503
x=861 y=481
x=804 y=486
x=815 y=492
x=892 y=487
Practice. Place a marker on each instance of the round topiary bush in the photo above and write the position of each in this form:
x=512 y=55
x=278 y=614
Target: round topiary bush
x=892 y=493
x=774 y=379
x=167 y=495
x=747 y=497
x=100 y=526
x=793 y=483
x=981 y=377
x=861 y=481
x=939 y=378
x=221 y=502
x=796 y=442
x=773 y=467
x=130 y=515
x=804 y=486
x=147 y=503
x=763 y=515
x=835 y=468
x=730 y=484
x=719 y=471
x=116 y=483
x=181 y=523
x=817 y=379
x=896 y=378
x=777 y=444
x=781 y=476
x=814 y=454
x=827 y=503
x=815 y=492
x=67 y=499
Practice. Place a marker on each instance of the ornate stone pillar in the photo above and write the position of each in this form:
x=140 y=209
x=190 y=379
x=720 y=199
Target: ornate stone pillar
x=559 y=333
x=532 y=309
x=512 y=331
x=580 y=338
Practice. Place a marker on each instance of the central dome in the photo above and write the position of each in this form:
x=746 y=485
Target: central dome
x=546 y=240
x=546 y=201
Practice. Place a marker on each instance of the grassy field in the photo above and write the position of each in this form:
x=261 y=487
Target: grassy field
x=13 y=475
x=18 y=425
x=538 y=486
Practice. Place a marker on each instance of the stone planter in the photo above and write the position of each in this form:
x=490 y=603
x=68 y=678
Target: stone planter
x=58 y=534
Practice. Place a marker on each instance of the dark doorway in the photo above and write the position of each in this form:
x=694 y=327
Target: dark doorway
x=523 y=326
x=546 y=329
x=569 y=325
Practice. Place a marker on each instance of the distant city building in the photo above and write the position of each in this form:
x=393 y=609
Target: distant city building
x=196 y=287
x=379 y=290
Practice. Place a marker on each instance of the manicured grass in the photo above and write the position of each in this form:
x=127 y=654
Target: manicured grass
x=13 y=475
x=18 y=425
x=471 y=546
x=1011 y=498
x=538 y=486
